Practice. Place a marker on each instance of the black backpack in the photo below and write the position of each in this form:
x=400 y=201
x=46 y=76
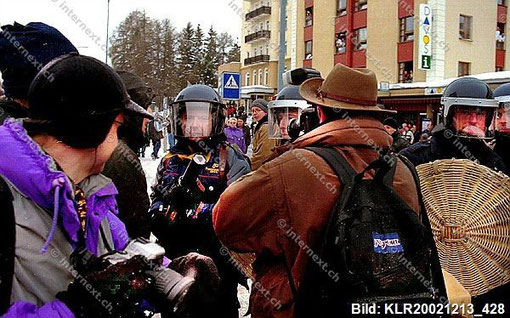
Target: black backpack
x=376 y=248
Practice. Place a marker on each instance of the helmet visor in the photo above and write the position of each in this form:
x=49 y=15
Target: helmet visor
x=503 y=120
x=196 y=119
x=279 y=119
x=473 y=122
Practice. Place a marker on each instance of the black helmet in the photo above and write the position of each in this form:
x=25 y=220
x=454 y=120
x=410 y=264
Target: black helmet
x=502 y=95
x=469 y=94
x=203 y=106
x=285 y=111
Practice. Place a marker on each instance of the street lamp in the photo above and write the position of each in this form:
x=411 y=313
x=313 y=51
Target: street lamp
x=107 y=30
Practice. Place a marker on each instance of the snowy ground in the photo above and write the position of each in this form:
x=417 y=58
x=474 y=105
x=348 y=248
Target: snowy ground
x=150 y=167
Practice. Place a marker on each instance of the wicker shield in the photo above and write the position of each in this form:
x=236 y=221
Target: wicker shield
x=469 y=209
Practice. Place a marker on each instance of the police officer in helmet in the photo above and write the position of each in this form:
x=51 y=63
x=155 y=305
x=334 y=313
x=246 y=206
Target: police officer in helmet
x=502 y=148
x=197 y=118
x=468 y=116
x=284 y=114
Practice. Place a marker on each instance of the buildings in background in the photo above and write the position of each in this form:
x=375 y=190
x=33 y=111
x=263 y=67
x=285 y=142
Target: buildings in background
x=465 y=37
x=260 y=47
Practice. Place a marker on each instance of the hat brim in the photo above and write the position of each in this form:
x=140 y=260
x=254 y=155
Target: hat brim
x=308 y=90
x=137 y=110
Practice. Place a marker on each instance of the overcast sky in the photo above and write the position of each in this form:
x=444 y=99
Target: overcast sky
x=219 y=13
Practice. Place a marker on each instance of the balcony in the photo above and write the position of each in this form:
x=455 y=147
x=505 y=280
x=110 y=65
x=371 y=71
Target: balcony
x=256 y=59
x=258 y=12
x=264 y=34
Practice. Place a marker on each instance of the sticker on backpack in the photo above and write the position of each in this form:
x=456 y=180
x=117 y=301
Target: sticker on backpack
x=387 y=243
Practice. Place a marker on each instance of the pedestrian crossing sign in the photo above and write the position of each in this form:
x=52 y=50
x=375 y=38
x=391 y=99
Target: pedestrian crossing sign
x=231 y=86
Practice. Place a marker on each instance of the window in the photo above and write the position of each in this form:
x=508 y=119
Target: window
x=407 y=29
x=309 y=16
x=308 y=50
x=360 y=39
x=266 y=76
x=267 y=49
x=267 y=25
x=405 y=72
x=260 y=77
x=360 y=5
x=500 y=36
x=340 y=41
x=255 y=78
x=501 y=2
x=247 y=79
x=342 y=7
x=465 y=26
x=464 y=69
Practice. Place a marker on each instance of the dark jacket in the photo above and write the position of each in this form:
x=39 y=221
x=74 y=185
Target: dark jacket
x=126 y=172
x=152 y=132
x=254 y=213
x=197 y=233
x=443 y=145
x=399 y=142
x=247 y=135
x=502 y=148
x=9 y=108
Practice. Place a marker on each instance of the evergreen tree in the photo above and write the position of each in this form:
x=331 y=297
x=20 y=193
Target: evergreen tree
x=168 y=59
x=225 y=43
x=211 y=63
x=234 y=55
x=198 y=55
x=185 y=58
x=165 y=60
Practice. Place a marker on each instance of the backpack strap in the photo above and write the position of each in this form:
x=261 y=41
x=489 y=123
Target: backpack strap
x=8 y=238
x=342 y=169
x=437 y=273
x=223 y=164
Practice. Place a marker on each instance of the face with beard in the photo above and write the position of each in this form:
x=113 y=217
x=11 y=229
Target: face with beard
x=470 y=121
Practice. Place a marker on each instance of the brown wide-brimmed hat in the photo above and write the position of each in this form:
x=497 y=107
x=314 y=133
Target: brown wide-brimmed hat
x=344 y=88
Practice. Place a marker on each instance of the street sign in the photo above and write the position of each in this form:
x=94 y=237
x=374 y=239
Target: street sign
x=231 y=86
x=434 y=91
x=425 y=39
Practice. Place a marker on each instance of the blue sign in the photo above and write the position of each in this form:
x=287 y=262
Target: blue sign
x=231 y=86
x=387 y=243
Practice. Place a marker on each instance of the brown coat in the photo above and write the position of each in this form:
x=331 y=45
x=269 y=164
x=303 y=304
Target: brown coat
x=296 y=191
x=262 y=146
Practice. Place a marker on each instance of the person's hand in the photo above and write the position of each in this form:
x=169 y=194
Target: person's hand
x=203 y=270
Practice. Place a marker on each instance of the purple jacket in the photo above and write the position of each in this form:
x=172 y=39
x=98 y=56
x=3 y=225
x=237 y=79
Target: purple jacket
x=235 y=136
x=33 y=173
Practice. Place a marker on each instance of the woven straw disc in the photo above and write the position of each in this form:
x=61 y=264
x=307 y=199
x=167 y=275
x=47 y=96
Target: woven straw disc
x=469 y=210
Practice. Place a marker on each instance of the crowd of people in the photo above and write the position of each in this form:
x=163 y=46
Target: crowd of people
x=319 y=214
